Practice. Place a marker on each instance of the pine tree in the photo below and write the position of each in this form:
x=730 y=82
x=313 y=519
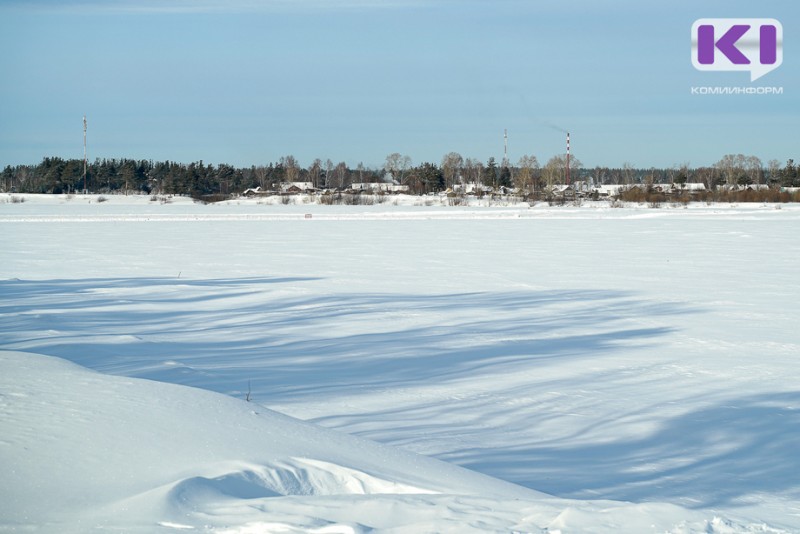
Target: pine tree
x=505 y=177
x=490 y=173
x=790 y=174
x=8 y=178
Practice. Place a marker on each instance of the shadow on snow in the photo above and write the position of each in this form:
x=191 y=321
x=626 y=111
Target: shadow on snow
x=705 y=458
x=219 y=334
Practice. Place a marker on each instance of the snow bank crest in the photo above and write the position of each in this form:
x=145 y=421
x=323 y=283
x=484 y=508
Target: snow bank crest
x=295 y=476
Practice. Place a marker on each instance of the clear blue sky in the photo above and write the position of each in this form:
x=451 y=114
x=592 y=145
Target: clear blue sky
x=246 y=82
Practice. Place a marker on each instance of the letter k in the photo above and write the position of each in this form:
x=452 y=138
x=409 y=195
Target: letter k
x=726 y=44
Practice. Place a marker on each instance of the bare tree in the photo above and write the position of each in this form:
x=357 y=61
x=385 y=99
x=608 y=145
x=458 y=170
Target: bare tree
x=650 y=177
x=774 y=168
x=260 y=174
x=340 y=174
x=731 y=166
x=23 y=176
x=738 y=167
x=627 y=172
x=314 y=172
x=556 y=169
x=525 y=178
x=552 y=171
x=397 y=164
x=452 y=163
x=706 y=175
x=480 y=172
x=328 y=173
x=754 y=169
x=473 y=169
x=600 y=175
x=291 y=168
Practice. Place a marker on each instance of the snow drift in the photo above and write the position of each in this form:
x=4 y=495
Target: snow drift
x=83 y=451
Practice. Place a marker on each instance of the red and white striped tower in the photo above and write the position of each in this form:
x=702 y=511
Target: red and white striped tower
x=84 y=156
x=567 y=158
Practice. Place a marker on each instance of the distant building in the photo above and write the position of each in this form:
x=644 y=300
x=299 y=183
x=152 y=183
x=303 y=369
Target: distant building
x=692 y=187
x=757 y=187
x=257 y=191
x=608 y=190
x=290 y=188
x=743 y=187
x=471 y=188
x=379 y=187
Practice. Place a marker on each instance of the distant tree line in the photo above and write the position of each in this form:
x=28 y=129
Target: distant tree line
x=198 y=179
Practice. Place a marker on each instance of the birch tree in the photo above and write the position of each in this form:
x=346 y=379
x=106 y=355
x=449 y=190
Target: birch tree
x=397 y=164
x=774 y=168
x=452 y=163
x=731 y=166
x=524 y=179
x=556 y=169
x=315 y=172
x=754 y=169
x=291 y=168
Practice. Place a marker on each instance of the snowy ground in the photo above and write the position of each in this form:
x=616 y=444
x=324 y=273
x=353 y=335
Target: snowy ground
x=638 y=365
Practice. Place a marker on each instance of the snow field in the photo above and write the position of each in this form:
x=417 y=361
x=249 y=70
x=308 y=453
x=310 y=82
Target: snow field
x=638 y=364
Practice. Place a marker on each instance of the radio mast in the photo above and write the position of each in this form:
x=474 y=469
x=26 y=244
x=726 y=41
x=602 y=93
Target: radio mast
x=567 y=158
x=85 y=191
x=505 y=148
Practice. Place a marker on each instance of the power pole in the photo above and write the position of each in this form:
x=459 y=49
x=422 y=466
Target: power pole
x=85 y=191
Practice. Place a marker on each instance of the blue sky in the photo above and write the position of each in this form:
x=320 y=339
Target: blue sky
x=246 y=82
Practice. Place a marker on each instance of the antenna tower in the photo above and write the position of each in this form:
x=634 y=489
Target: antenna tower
x=505 y=147
x=84 y=155
x=567 y=158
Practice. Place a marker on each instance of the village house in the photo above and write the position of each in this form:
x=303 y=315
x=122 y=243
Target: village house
x=378 y=187
x=256 y=191
x=293 y=188
x=471 y=188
